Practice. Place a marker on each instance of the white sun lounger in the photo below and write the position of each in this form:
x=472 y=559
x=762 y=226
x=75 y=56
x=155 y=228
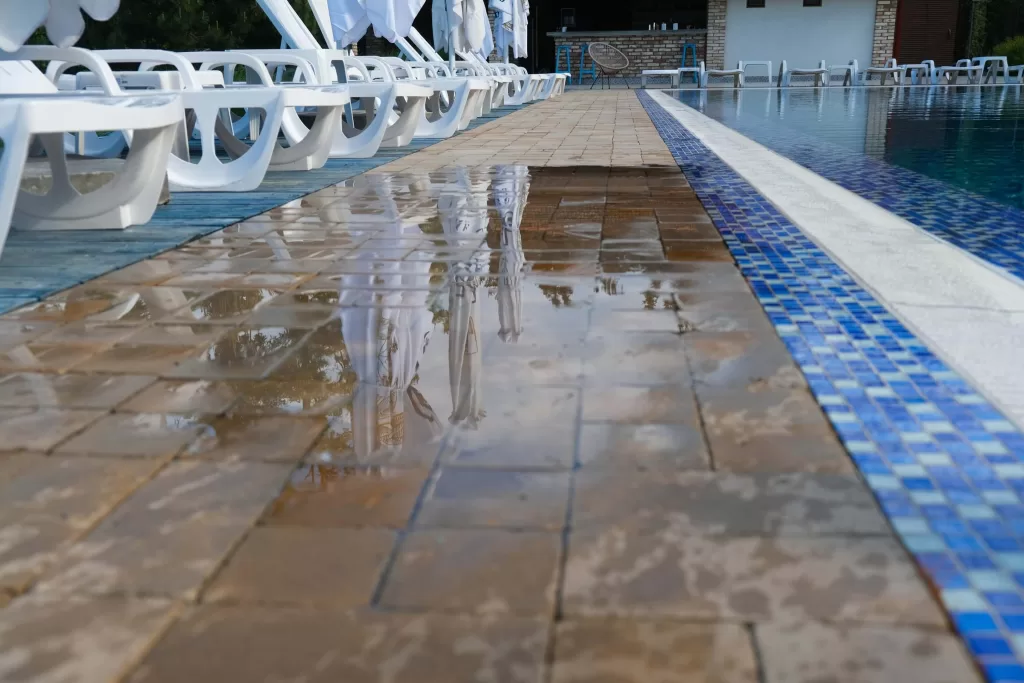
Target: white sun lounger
x=950 y=75
x=671 y=74
x=850 y=71
x=786 y=74
x=737 y=75
x=449 y=105
x=31 y=106
x=333 y=66
x=210 y=173
x=308 y=148
x=883 y=72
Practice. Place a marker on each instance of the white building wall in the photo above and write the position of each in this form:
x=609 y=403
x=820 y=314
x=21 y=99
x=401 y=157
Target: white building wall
x=838 y=31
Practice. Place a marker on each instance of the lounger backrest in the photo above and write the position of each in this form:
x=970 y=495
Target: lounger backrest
x=23 y=78
x=288 y=23
x=323 y=20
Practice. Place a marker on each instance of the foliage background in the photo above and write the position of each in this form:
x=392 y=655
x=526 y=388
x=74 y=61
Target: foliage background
x=187 y=25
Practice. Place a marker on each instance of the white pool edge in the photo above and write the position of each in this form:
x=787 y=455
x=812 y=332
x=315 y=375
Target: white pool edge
x=967 y=311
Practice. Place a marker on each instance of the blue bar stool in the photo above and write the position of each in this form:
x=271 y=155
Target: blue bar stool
x=690 y=49
x=566 y=51
x=585 y=70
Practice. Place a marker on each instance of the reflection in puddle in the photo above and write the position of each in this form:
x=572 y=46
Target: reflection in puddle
x=331 y=306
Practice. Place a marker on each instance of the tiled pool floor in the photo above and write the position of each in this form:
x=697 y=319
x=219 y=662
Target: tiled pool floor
x=500 y=423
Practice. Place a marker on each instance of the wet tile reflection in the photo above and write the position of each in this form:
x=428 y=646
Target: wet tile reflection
x=491 y=372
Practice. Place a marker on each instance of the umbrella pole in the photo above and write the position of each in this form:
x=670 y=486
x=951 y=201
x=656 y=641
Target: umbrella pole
x=448 y=19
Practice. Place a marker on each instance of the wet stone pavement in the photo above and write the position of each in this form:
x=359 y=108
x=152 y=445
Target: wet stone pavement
x=504 y=424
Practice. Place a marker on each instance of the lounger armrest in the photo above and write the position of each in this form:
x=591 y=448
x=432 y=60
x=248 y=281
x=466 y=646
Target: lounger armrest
x=389 y=74
x=400 y=68
x=147 y=59
x=211 y=60
x=302 y=65
x=63 y=58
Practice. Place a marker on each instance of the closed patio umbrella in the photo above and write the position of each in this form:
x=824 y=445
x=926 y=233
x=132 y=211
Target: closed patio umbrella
x=459 y=26
x=521 y=24
x=510 y=27
x=62 y=19
x=390 y=19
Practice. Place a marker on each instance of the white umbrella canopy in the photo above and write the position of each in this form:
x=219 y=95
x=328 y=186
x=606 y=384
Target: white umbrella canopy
x=446 y=20
x=459 y=25
x=503 y=26
x=390 y=19
x=488 y=45
x=522 y=8
x=62 y=19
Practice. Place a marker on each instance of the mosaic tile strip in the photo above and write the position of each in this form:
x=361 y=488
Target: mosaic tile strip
x=984 y=227
x=35 y=265
x=944 y=464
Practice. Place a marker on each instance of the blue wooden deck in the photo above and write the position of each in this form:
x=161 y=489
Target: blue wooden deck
x=35 y=265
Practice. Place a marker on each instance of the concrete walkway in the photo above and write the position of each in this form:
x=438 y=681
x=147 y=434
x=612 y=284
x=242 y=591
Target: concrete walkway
x=503 y=410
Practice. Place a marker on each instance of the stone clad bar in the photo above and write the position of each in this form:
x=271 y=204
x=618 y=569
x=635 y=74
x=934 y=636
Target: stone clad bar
x=645 y=49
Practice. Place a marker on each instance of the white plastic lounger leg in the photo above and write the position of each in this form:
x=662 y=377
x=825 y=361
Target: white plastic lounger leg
x=363 y=144
x=245 y=172
x=401 y=132
x=436 y=123
x=139 y=180
x=314 y=148
x=474 y=108
x=12 y=164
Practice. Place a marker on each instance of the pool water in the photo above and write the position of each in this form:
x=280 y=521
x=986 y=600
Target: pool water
x=969 y=138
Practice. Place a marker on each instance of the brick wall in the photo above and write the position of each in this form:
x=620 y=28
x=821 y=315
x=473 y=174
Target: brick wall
x=715 y=56
x=654 y=50
x=885 y=32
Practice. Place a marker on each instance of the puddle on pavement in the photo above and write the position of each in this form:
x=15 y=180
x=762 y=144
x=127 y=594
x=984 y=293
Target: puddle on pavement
x=464 y=310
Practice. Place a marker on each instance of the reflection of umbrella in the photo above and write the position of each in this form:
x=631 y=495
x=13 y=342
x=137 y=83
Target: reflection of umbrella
x=390 y=19
x=386 y=341
x=62 y=18
x=511 y=188
x=463 y=208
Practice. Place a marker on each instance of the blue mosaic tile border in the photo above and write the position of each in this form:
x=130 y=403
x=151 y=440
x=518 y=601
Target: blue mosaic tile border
x=984 y=227
x=36 y=265
x=944 y=464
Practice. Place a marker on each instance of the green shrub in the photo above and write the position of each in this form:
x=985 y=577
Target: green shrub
x=1013 y=48
x=182 y=25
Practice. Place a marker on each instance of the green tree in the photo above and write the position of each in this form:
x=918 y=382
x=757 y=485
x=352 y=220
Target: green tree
x=181 y=25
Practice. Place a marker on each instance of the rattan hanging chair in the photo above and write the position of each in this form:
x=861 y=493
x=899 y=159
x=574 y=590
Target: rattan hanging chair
x=609 y=61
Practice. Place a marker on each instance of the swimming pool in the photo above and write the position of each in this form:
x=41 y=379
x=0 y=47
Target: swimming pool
x=948 y=159
x=971 y=138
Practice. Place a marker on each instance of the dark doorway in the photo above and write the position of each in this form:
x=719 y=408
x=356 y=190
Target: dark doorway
x=926 y=29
